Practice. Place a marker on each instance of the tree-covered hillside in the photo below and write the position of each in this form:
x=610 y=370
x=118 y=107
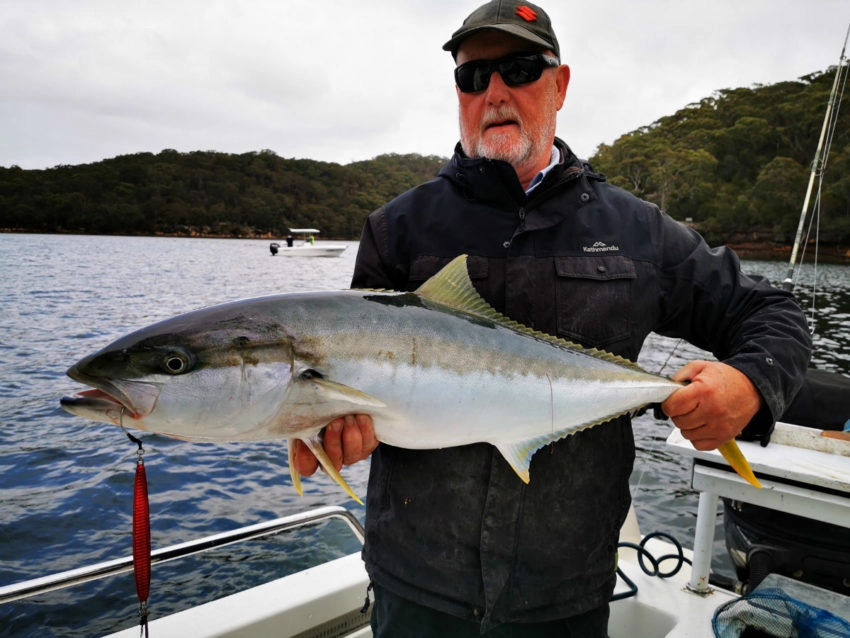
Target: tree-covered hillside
x=736 y=164
x=739 y=162
x=207 y=193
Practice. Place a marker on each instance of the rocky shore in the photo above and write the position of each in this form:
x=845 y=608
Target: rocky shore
x=769 y=251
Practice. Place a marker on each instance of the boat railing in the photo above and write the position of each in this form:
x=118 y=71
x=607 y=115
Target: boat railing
x=803 y=472
x=62 y=580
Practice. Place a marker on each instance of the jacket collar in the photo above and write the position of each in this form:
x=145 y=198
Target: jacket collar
x=492 y=180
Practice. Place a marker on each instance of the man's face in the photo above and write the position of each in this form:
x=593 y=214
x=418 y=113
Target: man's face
x=515 y=124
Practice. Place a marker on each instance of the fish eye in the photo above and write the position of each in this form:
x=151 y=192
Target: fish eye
x=176 y=362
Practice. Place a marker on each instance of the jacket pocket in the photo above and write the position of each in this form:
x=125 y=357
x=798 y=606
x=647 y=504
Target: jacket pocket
x=594 y=298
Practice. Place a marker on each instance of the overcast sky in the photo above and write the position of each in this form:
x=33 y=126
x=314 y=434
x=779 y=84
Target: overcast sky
x=346 y=80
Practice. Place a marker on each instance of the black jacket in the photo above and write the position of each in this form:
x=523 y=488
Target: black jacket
x=455 y=529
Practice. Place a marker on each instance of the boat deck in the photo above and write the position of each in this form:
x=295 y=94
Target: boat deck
x=802 y=471
x=327 y=600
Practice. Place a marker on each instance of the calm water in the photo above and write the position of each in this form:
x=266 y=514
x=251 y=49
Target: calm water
x=66 y=483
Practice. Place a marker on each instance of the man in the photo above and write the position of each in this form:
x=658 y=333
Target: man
x=457 y=545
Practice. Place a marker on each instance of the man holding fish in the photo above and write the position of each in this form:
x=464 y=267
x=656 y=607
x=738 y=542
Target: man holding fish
x=456 y=545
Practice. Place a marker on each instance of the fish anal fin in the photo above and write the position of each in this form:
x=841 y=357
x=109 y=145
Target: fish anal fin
x=518 y=453
x=315 y=445
x=518 y=458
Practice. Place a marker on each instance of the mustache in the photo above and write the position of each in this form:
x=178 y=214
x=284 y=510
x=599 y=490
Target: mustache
x=500 y=114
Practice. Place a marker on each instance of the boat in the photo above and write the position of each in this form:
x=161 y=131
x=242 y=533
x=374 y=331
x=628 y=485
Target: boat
x=760 y=539
x=301 y=242
x=663 y=588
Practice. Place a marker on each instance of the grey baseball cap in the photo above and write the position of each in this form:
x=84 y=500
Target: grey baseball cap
x=521 y=19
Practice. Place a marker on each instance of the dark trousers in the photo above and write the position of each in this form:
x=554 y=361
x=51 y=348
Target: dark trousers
x=395 y=617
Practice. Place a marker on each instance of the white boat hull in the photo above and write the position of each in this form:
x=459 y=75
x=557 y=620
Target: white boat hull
x=330 y=596
x=312 y=251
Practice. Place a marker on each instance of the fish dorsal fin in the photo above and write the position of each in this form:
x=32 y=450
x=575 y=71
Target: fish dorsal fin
x=452 y=287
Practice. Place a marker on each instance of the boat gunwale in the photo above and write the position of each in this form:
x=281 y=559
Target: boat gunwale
x=77 y=576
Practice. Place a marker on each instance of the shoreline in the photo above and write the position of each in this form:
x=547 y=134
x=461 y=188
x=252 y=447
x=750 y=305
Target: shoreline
x=755 y=250
x=766 y=251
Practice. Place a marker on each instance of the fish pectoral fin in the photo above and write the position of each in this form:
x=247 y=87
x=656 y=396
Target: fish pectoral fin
x=518 y=453
x=294 y=474
x=316 y=447
x=341 y=393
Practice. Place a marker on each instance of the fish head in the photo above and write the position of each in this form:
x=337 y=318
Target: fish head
x=214 y=374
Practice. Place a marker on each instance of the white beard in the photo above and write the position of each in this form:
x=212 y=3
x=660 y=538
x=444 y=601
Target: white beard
x=507 y=146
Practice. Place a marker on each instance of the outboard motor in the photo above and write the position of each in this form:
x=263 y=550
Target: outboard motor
x=761 y=541
x=273 y=248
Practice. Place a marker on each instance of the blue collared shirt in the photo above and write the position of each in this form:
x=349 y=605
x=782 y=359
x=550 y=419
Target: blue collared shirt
x=555 y=158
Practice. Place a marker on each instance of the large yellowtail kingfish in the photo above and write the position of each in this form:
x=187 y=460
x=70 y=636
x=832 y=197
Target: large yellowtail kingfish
x=434 y=368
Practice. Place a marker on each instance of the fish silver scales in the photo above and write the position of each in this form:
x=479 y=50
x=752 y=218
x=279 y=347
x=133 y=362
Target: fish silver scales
x=434 y=368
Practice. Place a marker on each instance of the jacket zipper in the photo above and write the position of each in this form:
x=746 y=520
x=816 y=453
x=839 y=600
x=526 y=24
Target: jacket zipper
x=569 y=175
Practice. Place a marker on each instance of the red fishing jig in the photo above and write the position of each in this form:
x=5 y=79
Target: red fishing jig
x=141 y=536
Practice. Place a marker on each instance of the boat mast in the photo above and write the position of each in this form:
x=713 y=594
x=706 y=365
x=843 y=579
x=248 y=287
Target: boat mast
x=817 y=164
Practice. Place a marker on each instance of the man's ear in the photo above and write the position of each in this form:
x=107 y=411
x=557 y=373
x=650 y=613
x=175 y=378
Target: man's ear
x=562 y=80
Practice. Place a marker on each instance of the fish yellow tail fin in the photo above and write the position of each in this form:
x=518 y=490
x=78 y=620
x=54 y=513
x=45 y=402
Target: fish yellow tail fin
x=734 y=457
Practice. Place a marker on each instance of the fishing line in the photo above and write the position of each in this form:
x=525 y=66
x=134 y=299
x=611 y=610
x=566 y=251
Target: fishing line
x=551 y=413
x=670 y=356
x=818 y=170
x=141 y=533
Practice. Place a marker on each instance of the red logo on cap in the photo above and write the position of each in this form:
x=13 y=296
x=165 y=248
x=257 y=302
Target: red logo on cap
x=526 y=13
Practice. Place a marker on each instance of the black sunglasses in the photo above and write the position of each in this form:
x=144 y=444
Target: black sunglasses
x=515 y=69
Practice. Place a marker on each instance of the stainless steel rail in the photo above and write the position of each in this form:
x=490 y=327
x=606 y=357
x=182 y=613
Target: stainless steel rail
x=62 y=580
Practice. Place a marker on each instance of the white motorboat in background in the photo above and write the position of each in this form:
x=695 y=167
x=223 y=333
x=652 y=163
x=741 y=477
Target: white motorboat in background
x=301 y=242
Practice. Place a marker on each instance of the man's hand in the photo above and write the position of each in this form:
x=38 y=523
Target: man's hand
x=346 y=440
x=715 y=406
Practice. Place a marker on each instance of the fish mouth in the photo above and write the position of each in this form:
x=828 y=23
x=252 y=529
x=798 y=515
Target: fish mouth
x=97 y=405
x=113 y=402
